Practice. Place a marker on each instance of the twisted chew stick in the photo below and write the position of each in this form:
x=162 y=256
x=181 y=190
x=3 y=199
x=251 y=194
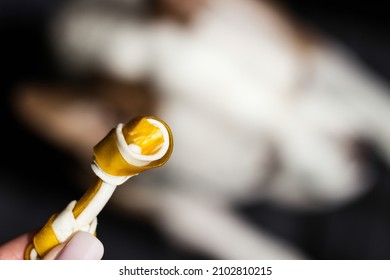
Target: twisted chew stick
x=142 y=144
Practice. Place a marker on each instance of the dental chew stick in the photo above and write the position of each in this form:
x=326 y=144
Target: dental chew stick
x=142 y=144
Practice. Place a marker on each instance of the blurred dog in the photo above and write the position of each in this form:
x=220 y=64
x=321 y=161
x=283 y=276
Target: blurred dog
x=261 y=109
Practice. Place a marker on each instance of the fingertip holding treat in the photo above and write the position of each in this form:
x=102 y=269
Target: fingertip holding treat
x=82 y=246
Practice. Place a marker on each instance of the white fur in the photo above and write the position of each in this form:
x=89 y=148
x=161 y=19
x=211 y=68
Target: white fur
x=236 y=87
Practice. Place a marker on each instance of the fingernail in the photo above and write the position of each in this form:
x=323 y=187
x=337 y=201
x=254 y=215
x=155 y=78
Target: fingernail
x=82 y=246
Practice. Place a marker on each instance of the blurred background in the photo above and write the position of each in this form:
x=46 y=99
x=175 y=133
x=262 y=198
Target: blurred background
x=47 y=87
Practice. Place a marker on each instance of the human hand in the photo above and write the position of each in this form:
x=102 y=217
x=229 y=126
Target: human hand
x=81 y=246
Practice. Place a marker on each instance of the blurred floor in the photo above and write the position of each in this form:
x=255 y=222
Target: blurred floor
x=33 y=188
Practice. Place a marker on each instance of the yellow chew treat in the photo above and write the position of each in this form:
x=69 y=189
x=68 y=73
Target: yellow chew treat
x=142 y=144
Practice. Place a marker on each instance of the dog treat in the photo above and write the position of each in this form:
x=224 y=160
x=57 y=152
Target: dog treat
x=142 y=144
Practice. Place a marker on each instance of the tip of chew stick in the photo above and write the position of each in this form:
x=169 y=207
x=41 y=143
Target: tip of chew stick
x=145 y=142
x=146 y=136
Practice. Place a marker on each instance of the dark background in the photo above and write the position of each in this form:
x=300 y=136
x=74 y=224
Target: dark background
x=34 y=175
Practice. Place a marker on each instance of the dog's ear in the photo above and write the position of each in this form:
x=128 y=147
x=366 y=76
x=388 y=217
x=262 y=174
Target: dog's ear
x=76 y=118
x=182 y=11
